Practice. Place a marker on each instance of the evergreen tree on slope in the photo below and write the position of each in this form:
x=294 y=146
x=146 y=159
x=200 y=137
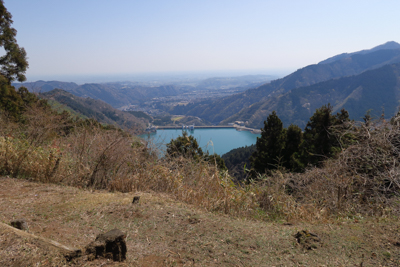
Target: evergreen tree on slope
x=270 y=145
x=13 y=65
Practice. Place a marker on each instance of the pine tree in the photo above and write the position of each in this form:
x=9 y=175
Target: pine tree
x=269 y=146
x=185 y=145
x=291 y=155
x=320 y=141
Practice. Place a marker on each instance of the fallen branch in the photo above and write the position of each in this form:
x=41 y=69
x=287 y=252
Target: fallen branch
x=68 y=252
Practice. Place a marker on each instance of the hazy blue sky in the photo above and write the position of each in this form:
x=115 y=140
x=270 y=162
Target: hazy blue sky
x=72 y=37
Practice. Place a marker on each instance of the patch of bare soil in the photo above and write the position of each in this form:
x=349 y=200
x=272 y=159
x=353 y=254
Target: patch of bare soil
x=163 y=232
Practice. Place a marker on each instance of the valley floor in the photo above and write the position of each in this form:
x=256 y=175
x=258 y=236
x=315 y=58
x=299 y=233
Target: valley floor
x=164 y=232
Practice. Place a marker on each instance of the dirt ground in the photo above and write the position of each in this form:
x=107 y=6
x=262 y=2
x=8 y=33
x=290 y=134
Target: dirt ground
x=163 y=232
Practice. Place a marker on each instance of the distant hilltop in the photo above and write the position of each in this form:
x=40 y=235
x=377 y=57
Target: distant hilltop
x=388 y=45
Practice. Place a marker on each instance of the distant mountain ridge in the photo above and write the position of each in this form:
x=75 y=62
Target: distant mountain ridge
x=221 y=109
x=245 y=82
x=254 y=105
x=119 y=94
x=388 y=45
x=374 y=90
x=115 y=94
x=45 y=86
x=96 y=109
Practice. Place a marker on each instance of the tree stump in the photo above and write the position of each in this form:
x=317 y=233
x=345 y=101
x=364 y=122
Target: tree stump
x=135 y=199
x=20 y=224
x=110 y=245
x=308 y=240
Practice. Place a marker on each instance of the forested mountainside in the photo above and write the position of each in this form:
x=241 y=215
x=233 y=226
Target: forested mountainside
x=375 y=90
x=96 y=109
x=222 y=108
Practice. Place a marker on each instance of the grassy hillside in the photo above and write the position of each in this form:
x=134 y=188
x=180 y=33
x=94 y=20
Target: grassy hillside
x=57 y=106
x=164 y=232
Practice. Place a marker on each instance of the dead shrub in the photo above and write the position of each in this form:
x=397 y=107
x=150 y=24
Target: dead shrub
x=98 y=158
x=26 y=149
x=363 y=179
x=274 y=202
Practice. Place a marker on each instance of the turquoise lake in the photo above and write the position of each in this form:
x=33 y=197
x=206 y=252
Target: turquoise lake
x=213 y=140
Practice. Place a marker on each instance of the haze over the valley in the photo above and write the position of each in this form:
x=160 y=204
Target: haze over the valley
x=100 y=41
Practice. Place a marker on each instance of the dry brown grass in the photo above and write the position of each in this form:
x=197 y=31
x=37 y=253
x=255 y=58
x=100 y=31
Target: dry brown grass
x=162 y=231
x=48 y=148
x=172 y=226
x=91 y=157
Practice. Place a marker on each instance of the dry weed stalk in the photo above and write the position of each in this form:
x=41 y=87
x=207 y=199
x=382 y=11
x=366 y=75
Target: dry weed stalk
x=274 y=201
x=194 y=182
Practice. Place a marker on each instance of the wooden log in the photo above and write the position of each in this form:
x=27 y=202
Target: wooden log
x=68 y=252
